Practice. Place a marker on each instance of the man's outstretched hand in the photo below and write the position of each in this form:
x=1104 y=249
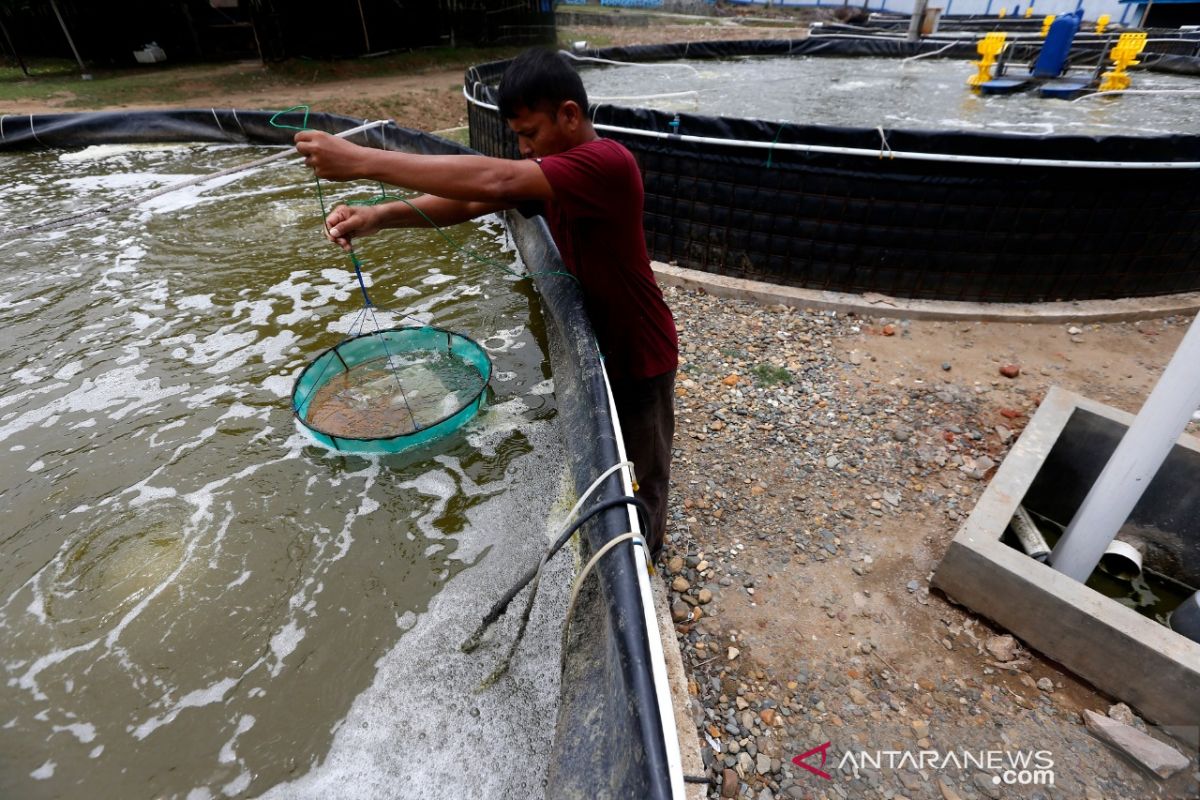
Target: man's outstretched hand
x=331 y=158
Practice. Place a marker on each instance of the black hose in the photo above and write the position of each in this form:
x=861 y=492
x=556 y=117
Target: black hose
x=472 y=641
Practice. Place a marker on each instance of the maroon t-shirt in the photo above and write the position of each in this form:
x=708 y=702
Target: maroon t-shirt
x=596 y=221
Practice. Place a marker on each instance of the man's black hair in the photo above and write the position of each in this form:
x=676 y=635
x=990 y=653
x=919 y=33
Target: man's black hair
x=539 y=80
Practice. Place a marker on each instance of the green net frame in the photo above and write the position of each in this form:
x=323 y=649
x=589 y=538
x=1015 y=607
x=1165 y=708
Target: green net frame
x=382 y=344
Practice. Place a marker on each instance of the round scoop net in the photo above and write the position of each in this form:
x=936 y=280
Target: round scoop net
x=392 y=389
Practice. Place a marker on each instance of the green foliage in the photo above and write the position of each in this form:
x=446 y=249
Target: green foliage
x=769 y=374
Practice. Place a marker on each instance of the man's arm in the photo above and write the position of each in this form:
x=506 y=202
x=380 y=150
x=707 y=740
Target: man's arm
x=348 y=222
x=477 y=179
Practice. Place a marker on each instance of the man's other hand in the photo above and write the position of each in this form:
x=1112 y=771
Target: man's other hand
x=347 y=222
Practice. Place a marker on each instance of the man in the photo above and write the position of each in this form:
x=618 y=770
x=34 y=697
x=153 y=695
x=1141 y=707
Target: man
x=590 y=191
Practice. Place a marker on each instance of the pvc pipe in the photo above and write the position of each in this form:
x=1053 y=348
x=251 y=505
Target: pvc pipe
x=1029 y=536
x=1184 y=92
x=1138 y=457
x=1122 y=560
x=289 y=152
x=1185 y=619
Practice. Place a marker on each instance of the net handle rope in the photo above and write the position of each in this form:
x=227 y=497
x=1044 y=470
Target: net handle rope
x=368 y=306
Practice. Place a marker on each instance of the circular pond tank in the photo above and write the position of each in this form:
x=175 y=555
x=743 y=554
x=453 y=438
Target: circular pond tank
x=843 y=164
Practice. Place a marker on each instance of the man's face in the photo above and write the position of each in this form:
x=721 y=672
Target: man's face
x=542 y=133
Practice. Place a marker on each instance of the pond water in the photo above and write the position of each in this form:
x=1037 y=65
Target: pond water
x=929 y=93
x=197 y=601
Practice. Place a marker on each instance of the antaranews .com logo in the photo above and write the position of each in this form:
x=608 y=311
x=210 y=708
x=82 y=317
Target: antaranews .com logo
x=1007 y=767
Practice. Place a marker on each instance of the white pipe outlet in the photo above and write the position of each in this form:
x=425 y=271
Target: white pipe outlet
x=1134 y=464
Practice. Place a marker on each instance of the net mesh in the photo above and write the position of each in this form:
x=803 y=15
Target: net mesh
x=394 y=395
x=391 y=389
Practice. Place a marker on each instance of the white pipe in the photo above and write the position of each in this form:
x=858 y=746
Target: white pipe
x=1142 y=451
x=1184 y=92
x=883 y=151
x=651 y=64
x=916 y=156
x=119 y=206
x=663 y=96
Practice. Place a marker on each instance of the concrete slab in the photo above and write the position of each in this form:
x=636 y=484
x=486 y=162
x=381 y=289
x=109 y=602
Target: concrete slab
x=878 y=305
x=1116 y=649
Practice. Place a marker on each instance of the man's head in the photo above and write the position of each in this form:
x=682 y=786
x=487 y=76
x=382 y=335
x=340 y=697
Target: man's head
x=545 y=104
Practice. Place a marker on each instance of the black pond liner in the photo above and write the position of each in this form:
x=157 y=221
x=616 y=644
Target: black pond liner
x=609 y=739
x=931 y=214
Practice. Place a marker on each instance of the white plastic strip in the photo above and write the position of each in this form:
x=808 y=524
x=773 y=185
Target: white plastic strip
x=909 y=154
x=875 y=153
x=658 y=664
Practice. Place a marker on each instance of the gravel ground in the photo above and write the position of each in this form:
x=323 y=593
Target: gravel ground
x=823 y=463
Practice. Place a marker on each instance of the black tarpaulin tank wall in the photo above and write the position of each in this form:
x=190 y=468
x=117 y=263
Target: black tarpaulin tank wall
x=930 y=214
x=615 y=737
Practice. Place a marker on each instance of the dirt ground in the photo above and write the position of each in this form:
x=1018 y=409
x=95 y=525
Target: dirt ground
x=823 y=464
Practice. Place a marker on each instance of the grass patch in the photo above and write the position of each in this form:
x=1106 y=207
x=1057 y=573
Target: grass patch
x=770 y=375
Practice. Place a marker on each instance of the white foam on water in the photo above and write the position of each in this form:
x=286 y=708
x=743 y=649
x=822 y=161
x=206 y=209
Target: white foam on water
x=83 y=731
x=214 y=693
x=123 y=180
x=118 y=387
x=37 y=466
x=259 y=310
x=284 y=643
x=237 y=785
x=273 y=348
x=228 y=754
x=278 y=385
x=543 y=387
x=437 y=278
x=405 y=291
x=199 y=793
x=26 y=376
x=307 y=296
x=221 y=347
x=150 y=494
x=504 y=340
x=37 y=607
x=200 y=302
x=458 y=740
x=96 y=152
x=188 y=196
x=44 y=772
x=239 y=580
x=97 y=751
x=68 y=371
x=241 y=411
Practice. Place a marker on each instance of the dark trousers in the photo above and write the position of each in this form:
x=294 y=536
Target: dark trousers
x=647 y=412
